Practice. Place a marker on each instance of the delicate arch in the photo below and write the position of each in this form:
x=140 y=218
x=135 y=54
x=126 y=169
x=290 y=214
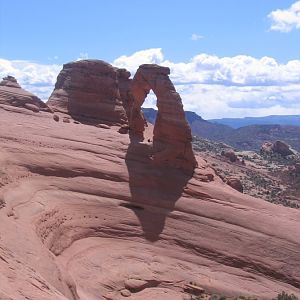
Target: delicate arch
x=172 y=138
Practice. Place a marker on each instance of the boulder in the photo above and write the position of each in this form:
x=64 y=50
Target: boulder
x=278 y=147
x=125 y=293
x=282 y=148
x=135 y=285
x=11 y=93
x=88 y=91
x=235 y=183
x=56 y=117
x=230 y=154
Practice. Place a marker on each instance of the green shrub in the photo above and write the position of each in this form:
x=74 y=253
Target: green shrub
x=286 y=296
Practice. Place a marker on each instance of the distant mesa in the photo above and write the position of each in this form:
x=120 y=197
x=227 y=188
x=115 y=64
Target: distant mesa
x=12 y=94
x=244 y=138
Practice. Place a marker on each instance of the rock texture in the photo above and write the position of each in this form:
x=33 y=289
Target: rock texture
x=88 y=216
x=124 y=83
x=88 y=90
x=12 y=94
x=282 y=148
x=172 y=135
x=230 y=154
x=278 y=147
x=235 y=183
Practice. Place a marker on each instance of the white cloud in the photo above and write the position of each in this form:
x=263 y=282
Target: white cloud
x=285 y=20
x=235 y=86
x=132 y=62
x=210 y=85
x=34 y=77
x=83 y=55
x=196 y=37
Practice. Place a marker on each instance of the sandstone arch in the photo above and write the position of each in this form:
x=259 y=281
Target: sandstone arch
x=172 y=138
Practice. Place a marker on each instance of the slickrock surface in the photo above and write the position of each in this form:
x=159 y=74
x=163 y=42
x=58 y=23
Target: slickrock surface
x=85 y=214
x=12 y=94
x=172 y=135
x=88 y=90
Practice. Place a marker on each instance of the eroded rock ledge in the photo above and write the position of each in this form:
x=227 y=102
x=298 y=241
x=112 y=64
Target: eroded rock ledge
x=12 y=94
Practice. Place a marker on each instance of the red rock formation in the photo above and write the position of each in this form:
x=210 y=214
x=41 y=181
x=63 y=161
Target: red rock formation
x=235 y=183
x=12 y=94
x=124 y=83
x=267 y=148
x=83 y=217
x=88 y=90
x=282 y=148
x=172 y=135
x=277 y=147
x=230 y=154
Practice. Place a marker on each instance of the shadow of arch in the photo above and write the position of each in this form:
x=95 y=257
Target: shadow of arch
x=154 y=189
x=158 y=172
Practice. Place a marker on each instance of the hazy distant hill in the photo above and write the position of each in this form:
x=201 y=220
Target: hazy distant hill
x=199 y=126
x=292 y=120
x=251 y=137
x=244 y=138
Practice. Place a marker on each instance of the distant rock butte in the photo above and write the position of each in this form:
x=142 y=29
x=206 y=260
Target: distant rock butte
x=278 y=147
x=88 y=90
x=12 y=94
x=172 y=135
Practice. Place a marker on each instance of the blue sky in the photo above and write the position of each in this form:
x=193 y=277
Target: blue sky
x=214 y=48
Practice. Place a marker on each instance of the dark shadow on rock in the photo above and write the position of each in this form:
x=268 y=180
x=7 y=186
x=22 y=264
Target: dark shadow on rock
x=154 y=189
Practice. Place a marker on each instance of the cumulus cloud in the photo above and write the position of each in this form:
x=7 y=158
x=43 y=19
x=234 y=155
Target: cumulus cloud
x=196 y=37
x=235 y=86
x=132 y=62
x=285 y=20
x=210 y=85
x=83 y=55
x=35 y=77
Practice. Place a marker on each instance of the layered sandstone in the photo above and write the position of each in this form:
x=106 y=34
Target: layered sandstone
x=88 y=90
x=11 y=93
x=172 y=135
x=124 y=84
x=85 y=214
